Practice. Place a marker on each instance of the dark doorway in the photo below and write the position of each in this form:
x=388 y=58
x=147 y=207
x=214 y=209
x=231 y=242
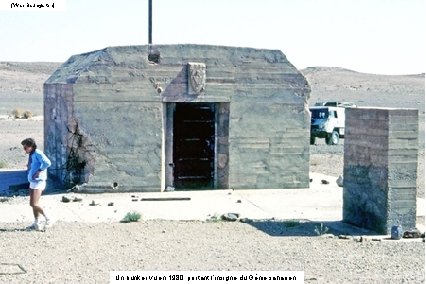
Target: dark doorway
x=194 y=145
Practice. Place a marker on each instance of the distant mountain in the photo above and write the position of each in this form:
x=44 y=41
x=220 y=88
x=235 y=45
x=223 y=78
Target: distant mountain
x=327 y=84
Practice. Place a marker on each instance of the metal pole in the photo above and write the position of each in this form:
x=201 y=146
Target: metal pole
x=149 y=21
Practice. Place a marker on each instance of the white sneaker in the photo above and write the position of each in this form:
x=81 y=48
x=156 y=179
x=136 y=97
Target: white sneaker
x=48 y=223
x=34 y=226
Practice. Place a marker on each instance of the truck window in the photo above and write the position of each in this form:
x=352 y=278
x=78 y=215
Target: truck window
x=319 y=113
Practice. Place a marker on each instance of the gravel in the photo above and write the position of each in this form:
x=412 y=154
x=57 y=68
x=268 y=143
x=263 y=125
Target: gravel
x=75 y=252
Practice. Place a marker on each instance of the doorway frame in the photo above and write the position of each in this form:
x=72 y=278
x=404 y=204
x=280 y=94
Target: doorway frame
x=221 y=145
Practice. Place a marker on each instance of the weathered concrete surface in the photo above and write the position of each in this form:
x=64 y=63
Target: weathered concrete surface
x=380 y=168
x=106 y=116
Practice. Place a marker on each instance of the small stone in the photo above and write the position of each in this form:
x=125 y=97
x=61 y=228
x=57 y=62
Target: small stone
x=239 y=201
x=364 y=239
x=344 y=237
x=77 y=199
x=231 y=217
x=245 y=220
x=358 y=239
x=311 y=180
x=65 y=199
x=327 y=236
x=93 y=203
x=111 y=204
x=134 y=199
x=323 y=181
x=412 y=234
x=339 y=181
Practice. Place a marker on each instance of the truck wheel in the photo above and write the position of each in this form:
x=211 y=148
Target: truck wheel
x=333 y=138
x=312 y=140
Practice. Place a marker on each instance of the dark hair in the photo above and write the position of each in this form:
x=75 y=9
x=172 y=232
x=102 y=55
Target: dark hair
x=29 y=142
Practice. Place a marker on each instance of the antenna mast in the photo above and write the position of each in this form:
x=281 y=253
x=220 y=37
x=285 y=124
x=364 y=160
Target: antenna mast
x=149 y=22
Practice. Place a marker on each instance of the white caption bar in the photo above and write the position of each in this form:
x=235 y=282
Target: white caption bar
x=34 y=6
x=207 y=276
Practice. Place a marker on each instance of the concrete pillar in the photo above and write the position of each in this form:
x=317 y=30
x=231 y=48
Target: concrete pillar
x=380 y=168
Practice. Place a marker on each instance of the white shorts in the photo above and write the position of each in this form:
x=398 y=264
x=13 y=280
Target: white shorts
x=38 y=185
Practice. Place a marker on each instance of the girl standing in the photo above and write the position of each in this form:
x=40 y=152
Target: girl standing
x=38 y=163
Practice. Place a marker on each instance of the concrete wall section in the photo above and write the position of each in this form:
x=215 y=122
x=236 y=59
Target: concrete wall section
x=268 y=146
x=380 y=168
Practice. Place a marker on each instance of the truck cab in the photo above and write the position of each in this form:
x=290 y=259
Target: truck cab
x=327 y=122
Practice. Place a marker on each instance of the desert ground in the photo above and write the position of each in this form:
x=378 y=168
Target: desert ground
x=72 y=252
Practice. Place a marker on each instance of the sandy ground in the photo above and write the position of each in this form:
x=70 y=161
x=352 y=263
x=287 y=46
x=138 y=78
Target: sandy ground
x=86 y=252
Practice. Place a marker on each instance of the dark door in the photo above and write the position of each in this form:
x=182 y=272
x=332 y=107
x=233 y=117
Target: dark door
x=193 y=145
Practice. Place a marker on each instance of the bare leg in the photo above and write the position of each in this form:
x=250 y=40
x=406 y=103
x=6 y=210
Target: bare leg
x=34 y=202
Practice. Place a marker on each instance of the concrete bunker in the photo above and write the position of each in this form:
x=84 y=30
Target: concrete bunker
x=200 y=117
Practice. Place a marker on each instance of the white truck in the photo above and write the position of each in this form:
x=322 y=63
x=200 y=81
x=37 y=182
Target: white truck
x=328 y=121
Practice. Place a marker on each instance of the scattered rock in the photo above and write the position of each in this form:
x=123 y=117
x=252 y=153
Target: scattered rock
x=134 y=199
x=77 y=199
x=344 y=237
x=311 y=180
x=339 y=181
x=327 y=236
x=230 y=217
x=239 y=201
x=412 y=234
x=245 y=220
x=111 y=204
x=65 y=199
x=93 y=203
x=364 y=239
x=323 y=181
x=358 y=239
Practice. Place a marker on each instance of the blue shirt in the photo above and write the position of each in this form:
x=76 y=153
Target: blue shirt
x=38 y=161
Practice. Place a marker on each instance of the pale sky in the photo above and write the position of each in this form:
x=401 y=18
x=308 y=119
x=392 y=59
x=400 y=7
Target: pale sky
x=372 y=36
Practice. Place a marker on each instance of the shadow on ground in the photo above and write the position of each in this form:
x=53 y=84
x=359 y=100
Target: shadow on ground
x=307 y=228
